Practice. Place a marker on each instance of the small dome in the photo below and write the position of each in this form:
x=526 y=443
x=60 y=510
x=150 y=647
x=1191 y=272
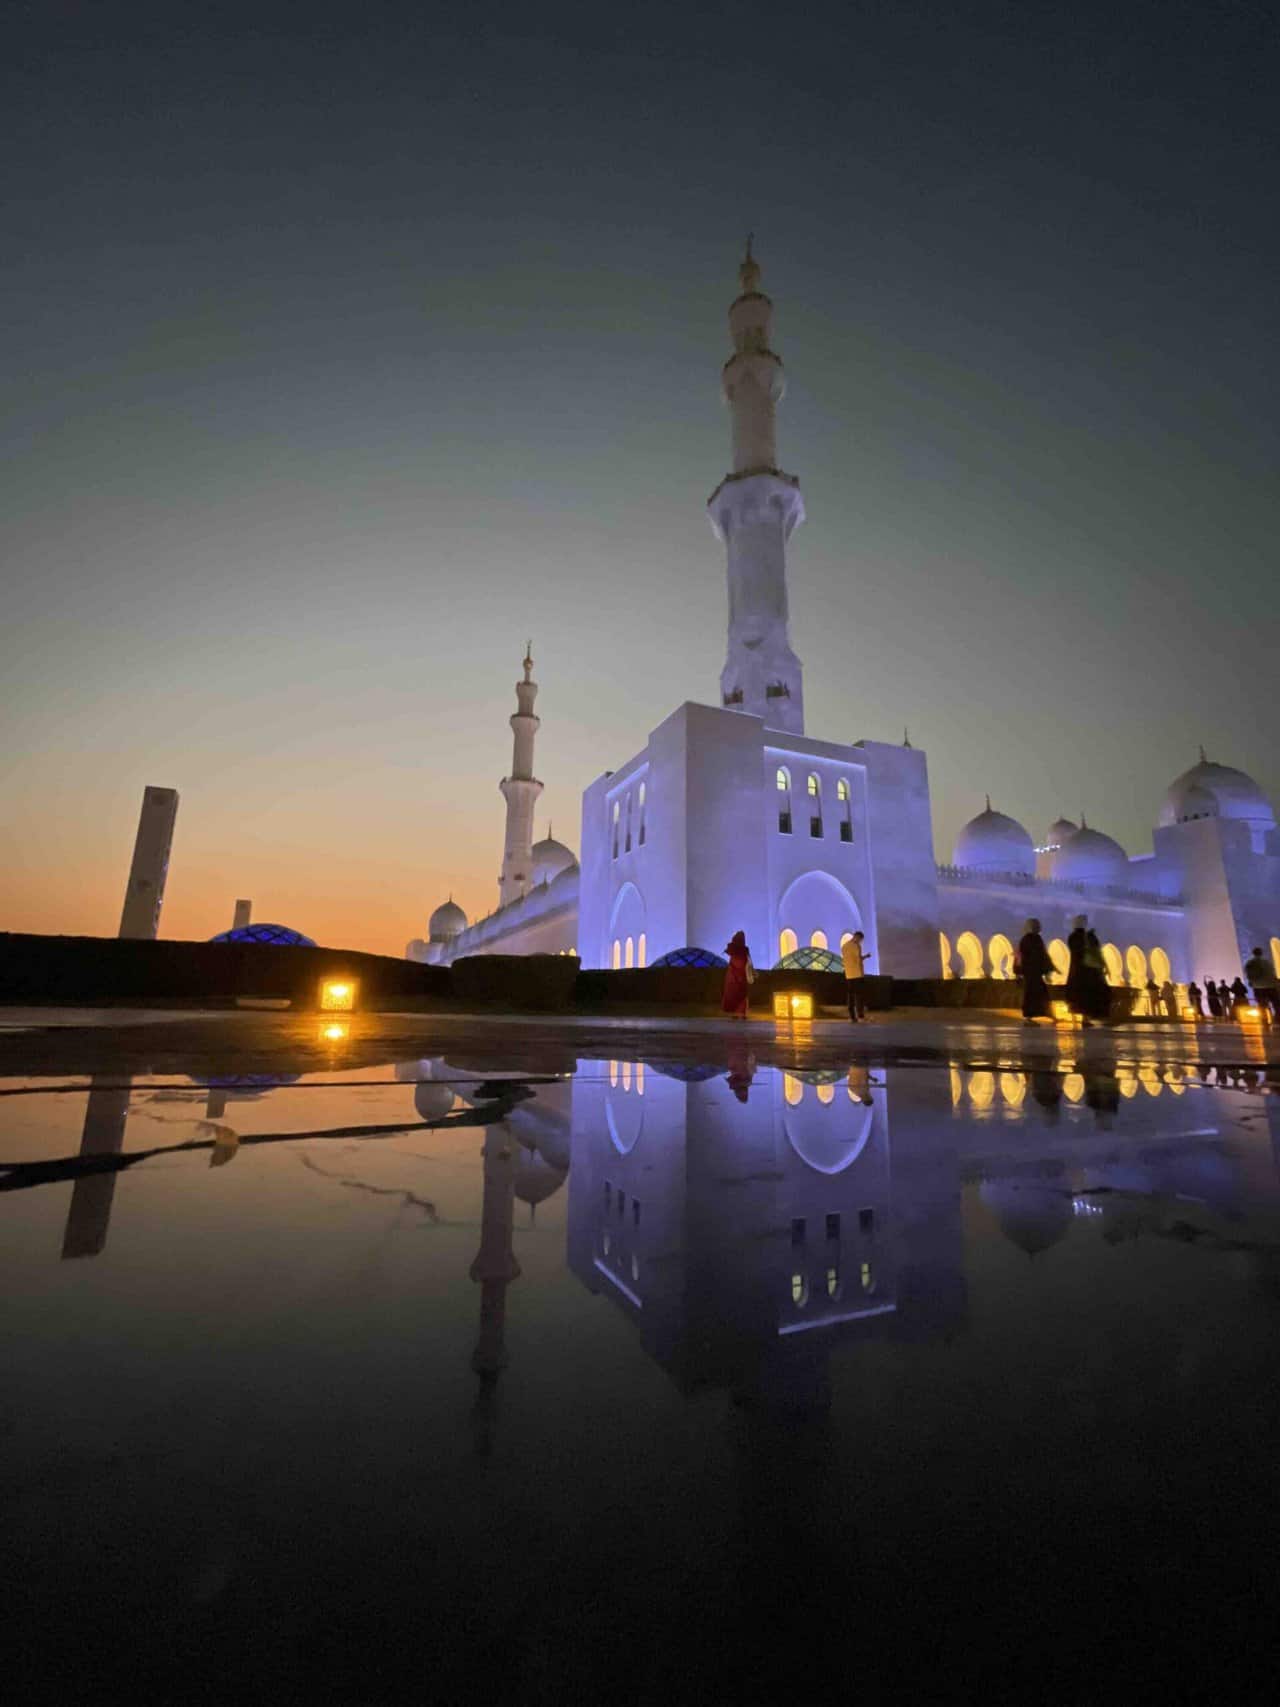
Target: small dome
x=550 y=858
x=1061 y=830
x=536 y=1178
x=994 y=842
x=1091 y=857
x=1216 y=791
x=281 y=935
x=1031 y=1215
x=446 y=922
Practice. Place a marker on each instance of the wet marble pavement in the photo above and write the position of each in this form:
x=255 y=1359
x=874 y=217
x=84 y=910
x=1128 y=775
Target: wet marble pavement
x=638 y=1360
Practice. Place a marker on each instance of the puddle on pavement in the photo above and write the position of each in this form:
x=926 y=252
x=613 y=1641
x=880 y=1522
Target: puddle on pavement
x=303 y=1358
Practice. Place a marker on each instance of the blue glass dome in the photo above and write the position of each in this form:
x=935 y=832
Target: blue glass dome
x=690 y=957
x=810 y=960
x=265 y=933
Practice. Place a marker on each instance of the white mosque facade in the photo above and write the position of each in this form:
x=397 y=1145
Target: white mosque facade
x=731 y=817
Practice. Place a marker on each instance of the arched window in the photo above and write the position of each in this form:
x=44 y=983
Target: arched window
x=1013 y=1088
x=1000 y=950
x=867 y=1278
x=784 y=800
x=613 y=1080
x=617 y=812
x=982 y=1089
x=788 y=943
x=630 y=952
x=626 y=1085
x=1275 y=952
x=642 y=950
x=970 y=951
x=818 y=939
x=944 y=948
x=1161 y=970
x=826 y=1094
x=639 y=1093
x=643 y=792
x=833 y=1283
x=845 y=800
x=617 y=953
x=1060 y=955
x=815 y=805
x=799 y=1290
x=845 y=936
x=1136 y=965
x=792 y=1089
x=627 y=844
x=1112 y=962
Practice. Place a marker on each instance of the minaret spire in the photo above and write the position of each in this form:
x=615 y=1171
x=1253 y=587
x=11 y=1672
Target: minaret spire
x=754 y=511
x=520 y=790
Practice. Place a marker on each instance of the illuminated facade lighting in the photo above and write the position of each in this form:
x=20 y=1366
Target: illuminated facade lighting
x=792 y=1004
x=338 y=996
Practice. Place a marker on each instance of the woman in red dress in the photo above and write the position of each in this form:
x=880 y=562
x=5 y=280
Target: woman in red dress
x=737 y=977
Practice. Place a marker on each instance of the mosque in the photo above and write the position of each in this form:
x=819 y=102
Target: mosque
x=832 y=837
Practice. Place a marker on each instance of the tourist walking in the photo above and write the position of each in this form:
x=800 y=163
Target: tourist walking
x=1153 y=998
x=1195 y=999
x=1213 y=998
x=1033 y=965
x=1260 y=970
x=1169 y=997
x=855 y=975
x=1238 y=997
x=739 y=975
x=1087 y=992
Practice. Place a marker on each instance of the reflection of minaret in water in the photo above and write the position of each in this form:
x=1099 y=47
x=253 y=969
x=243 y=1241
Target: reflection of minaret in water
x=89 y=1215
x=520 y=790
x=495 y=1267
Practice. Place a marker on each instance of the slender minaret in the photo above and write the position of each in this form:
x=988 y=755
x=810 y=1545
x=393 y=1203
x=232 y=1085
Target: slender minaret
x=520 y=790
x=144 y=893
x=755 y=510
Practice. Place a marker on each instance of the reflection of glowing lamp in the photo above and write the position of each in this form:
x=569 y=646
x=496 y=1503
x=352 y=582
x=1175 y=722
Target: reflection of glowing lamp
x=1251 y=1016
x=338 y=996
x=1190 y=1013
x=792 y=1004
x=335 y=1032
x=1062 y=1014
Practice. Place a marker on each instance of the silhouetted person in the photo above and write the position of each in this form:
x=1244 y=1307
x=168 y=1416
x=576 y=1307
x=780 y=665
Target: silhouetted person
x=1239 y=997
x=1195 y=999
x=1046 y=1089
x=1260 y=970
x=1153 y=998
x=1033 y=965
x=1169 y=998
x=1213 y=998
x=1087 y=991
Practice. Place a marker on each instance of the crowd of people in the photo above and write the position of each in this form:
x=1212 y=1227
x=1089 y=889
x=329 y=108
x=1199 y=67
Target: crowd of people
x=1087 y=993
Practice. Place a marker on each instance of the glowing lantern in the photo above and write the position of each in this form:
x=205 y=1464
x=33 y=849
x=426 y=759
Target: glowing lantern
x=338 y=996
x=792 y=1004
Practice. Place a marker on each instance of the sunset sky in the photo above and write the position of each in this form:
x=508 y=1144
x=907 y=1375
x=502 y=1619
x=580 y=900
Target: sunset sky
x=347 y=347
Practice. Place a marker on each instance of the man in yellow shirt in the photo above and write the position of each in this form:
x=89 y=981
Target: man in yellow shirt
x=855 y=970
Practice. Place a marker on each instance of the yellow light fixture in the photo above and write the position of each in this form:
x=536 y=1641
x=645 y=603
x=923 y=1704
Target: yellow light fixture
x=792 y=1004
x=336 y=1031
x=338 y=996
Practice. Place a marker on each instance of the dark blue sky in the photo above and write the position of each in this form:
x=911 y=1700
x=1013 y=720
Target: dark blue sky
x=345 y=347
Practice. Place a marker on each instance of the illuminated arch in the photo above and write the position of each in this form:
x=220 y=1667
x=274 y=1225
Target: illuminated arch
x=1073 y=1087
x=1136 y=965
x=982 y=1089
x=1275 y=952
x=1112 y=963
x=629 y=953
x=1000 y=951
x=944 y=948
x=818 y=939
x=816 y=901
x=788 y=943
x=1013 y=1088
x=970 y=951
x=626 y=921
x=1060 y=955
x=792 y=1089
x=642 y=949
x=1161 y=970
x=617 y=954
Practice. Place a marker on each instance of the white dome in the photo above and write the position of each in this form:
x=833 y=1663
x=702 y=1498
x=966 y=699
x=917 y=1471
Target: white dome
x=1061 y=830
x=1216 y=791
x=446 y=922
x=550 y=858
x=1091 y=857
x=994 y=842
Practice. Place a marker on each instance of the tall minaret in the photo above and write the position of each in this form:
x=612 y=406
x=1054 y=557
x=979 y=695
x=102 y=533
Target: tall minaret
x=754 y=511
x=520 y=790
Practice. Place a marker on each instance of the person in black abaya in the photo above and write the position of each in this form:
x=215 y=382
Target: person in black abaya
x=1087 y=991
x=1033 y=966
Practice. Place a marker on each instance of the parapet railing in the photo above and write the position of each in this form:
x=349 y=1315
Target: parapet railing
x=1055 y=886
